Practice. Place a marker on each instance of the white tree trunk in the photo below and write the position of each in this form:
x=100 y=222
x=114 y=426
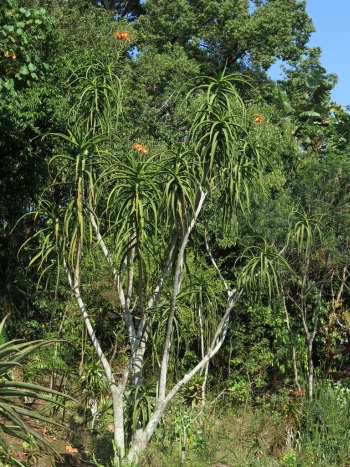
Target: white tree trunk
x=138 y=339
x=176 y=289
x=142 y=437
x=117 y=395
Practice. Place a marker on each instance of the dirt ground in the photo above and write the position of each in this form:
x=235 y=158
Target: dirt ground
x=55 y=437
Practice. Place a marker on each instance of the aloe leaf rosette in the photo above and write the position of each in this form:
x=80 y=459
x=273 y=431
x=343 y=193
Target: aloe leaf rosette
x=14 y=412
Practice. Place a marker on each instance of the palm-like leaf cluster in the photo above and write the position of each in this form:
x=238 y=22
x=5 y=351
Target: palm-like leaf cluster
x=67 y=218
x=141 y=192
x=304 y=232
x=134 y=197
x=180 y=186
x=219 y=123
x=220 y=135
x=201 y=297
x=99 y=103
x=262 y=267
x=140 y=404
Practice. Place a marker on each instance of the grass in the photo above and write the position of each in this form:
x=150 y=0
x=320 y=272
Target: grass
x=248 y=435
x=239 y=437
x=256 y=436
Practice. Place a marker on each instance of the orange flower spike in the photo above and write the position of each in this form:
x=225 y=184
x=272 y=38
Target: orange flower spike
x=125 y=36
x=122 y=35
x=258 y=118
x=140 y=148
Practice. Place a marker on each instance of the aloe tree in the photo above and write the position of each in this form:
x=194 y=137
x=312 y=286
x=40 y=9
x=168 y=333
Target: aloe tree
x=140 y=208
x=295 y=276
x=306 y=289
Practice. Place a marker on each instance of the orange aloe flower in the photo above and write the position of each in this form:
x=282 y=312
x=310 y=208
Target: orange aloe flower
x=140 y=148
x=123 y=35
x=258 y=118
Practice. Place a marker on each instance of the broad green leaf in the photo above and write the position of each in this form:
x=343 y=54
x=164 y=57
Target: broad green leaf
x=285 y=104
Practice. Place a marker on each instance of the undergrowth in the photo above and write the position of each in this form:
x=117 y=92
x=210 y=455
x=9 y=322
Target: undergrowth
x=257 y=436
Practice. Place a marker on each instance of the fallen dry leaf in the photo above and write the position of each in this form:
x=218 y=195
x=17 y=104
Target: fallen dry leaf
x=70 y=448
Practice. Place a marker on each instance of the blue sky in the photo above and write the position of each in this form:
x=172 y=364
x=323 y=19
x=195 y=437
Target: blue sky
x=332 y=21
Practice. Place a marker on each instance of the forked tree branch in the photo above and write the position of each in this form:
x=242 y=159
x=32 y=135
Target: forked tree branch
x=117 y=280
x=176 y=290
x=143 y=437
x=74 y=285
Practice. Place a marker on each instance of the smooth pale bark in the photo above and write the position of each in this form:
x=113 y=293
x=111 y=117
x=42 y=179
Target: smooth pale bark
x=117 y=395
x=310 y=370
x=117 y=281
x=176 y=289
x=138 y=340
x=146 y=323
x=310 y=337
x=142 y=437
x=294 y=354
x=310 y=331
x=206 y=368
x=138 y=337
x=204 y=384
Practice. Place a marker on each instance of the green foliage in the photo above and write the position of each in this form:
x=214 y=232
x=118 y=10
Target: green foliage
x=285 y=104
x=304 y=232
x=313 y=112
x=223 y=436
x=319 y=87
x=99 y=102
x=323 y=437
x=11 y=393
x=257 y=348
x=221 y=136
x=284 y=181
x=192 y=392
x=23 y=33
x=117 y=461
x=139 y=404
x=93 y=382
x=209 y=32
x=317 y=96
x=134 y=201
x=289 y=460
x=262 y=268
